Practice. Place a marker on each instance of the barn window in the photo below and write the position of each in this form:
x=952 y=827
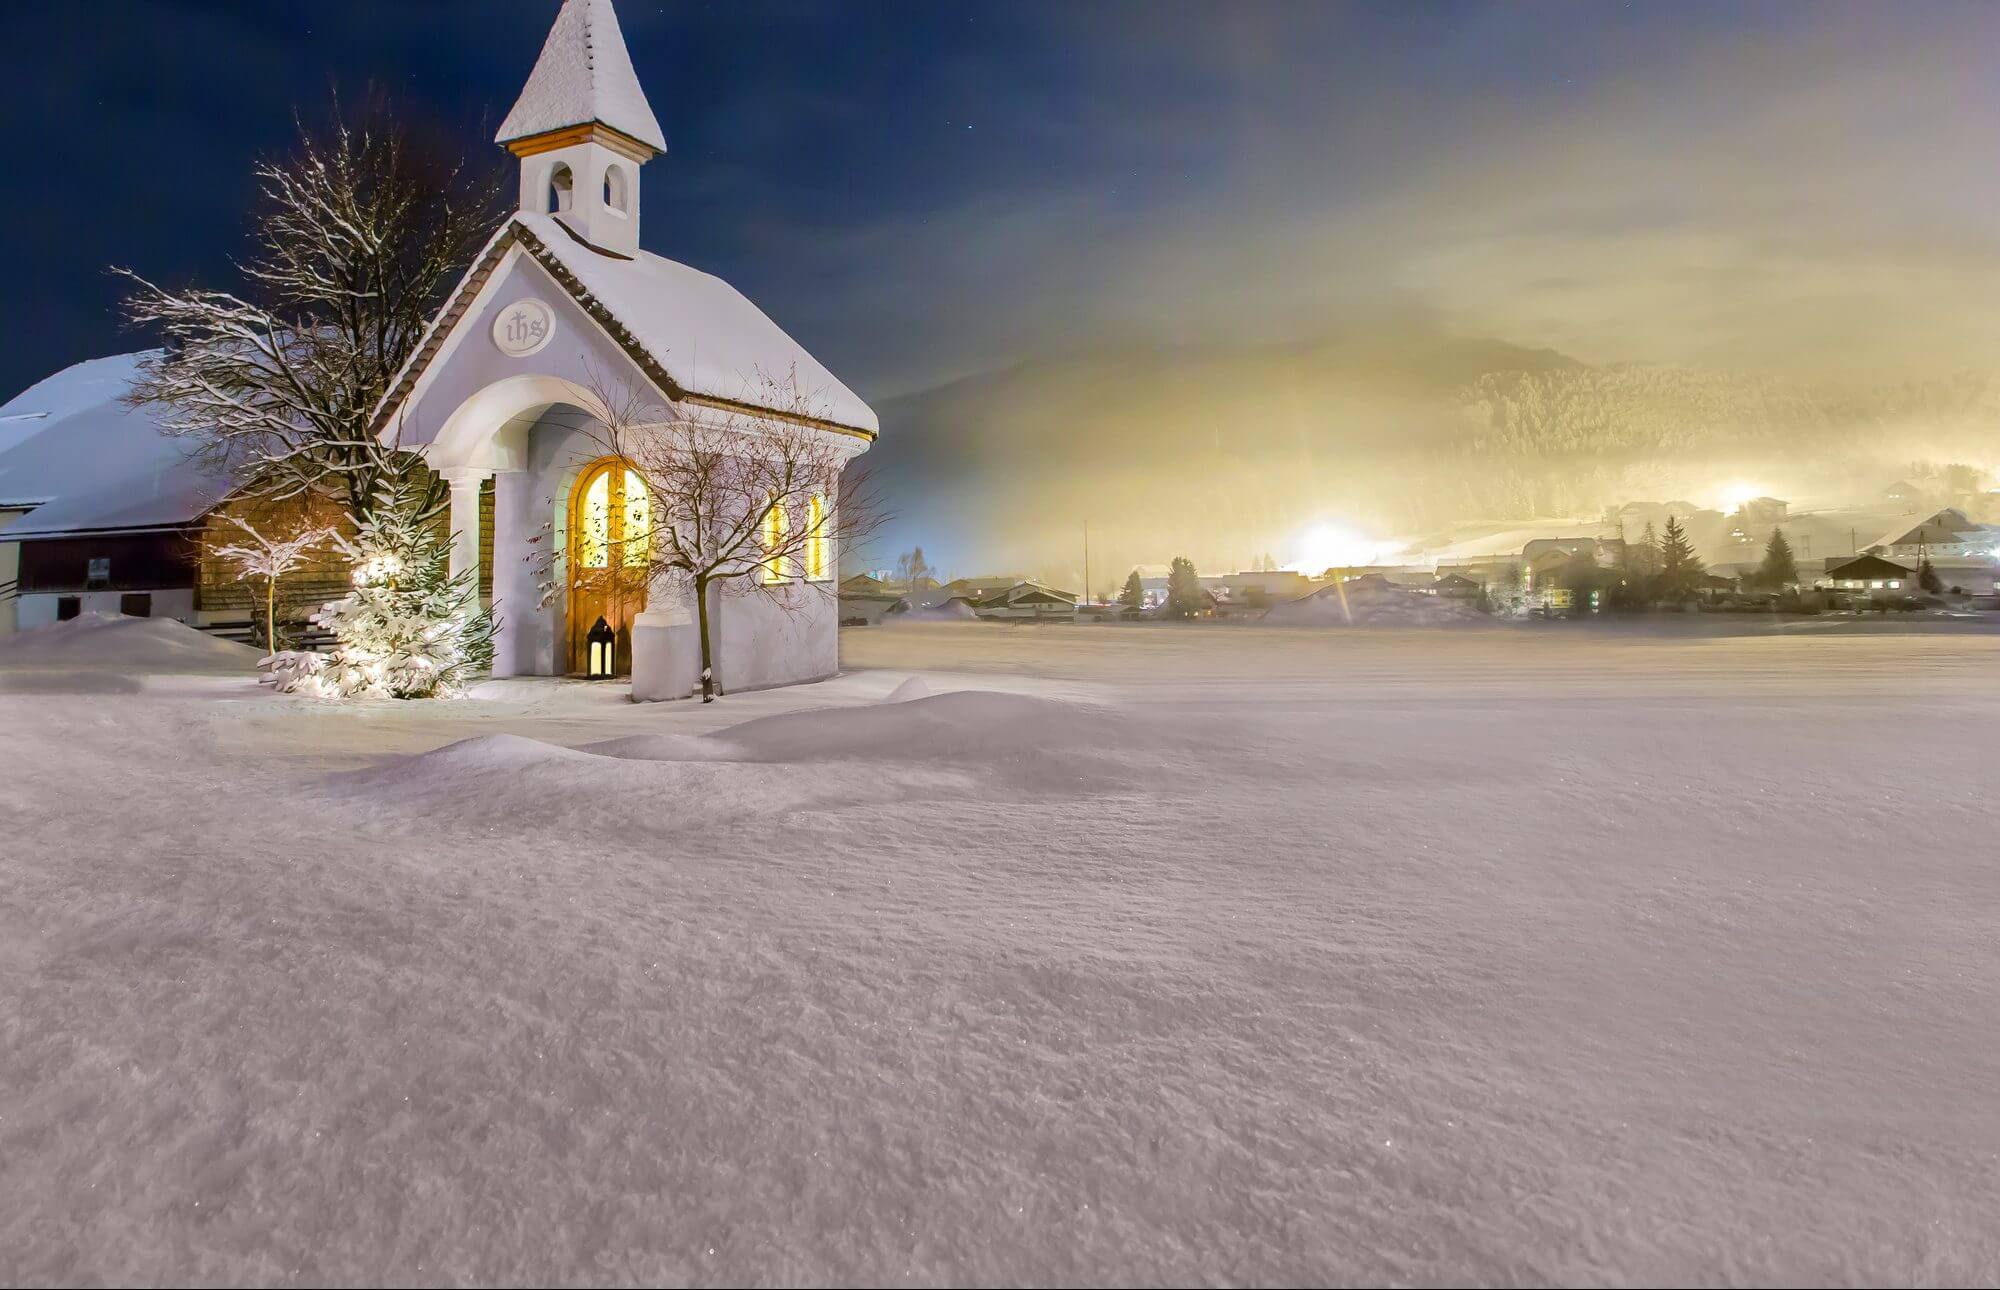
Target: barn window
x=136 y=604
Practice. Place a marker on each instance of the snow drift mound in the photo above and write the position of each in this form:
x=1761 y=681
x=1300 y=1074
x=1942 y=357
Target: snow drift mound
x=662 y=748
x=966 y=725
x=494 y=777
x=644 y=785
x=29 y=680
x=479 y=760
x=1373 y=604
x=110 y=641
x=1026 y=743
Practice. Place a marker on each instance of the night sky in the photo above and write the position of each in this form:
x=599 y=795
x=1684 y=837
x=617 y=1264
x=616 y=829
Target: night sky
x=923 y=191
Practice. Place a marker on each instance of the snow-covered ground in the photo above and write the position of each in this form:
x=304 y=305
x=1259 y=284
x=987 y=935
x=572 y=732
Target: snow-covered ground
x=1134 y=954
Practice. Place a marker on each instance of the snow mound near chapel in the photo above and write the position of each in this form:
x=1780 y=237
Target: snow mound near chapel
x=110 y=641
x=496 y=778
x=661 y=748
x=963 y=726
x=1014 y=741
x=911 y=688
x=1008 y=746
x=1010 y=741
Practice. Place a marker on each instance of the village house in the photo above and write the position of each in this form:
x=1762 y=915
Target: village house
x=1027 y=600
x=1867 y=573
x=1540 y=554
x=866 y=600
x=1251 y=592
x=1456 y=586
x=100 y=512
x=504 y=399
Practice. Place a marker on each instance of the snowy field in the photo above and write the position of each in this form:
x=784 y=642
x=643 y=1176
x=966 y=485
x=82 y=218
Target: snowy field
x=1130 y=954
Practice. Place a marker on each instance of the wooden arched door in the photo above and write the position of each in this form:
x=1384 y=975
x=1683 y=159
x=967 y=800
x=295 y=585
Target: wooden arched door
x=610 y=535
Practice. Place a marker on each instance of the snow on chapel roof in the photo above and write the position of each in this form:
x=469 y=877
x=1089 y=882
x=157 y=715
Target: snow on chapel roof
x=584 y=74
x=706 y=334
x=689 y=331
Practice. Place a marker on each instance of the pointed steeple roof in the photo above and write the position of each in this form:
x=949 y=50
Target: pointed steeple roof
x=583 y=75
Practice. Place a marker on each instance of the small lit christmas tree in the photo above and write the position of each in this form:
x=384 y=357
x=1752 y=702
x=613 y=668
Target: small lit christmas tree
x=409 y=629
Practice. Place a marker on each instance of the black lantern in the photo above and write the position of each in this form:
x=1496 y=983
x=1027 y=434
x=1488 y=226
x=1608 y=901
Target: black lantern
x=602 y=648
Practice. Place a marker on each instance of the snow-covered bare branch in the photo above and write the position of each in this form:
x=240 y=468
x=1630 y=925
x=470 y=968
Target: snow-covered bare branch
x=361 y=231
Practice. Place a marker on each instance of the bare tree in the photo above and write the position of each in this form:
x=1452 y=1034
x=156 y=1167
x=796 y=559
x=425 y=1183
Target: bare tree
x=269 y=559
x=361 y=231
x=741 y=502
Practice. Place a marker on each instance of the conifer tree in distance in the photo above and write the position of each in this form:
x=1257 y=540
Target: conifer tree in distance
x=1779 y=570
x=1134 y=594
x=1183 y=589
x=1680 y=568
x=1927 y=576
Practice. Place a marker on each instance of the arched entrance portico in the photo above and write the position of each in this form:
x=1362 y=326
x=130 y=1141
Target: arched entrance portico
x=530 y=435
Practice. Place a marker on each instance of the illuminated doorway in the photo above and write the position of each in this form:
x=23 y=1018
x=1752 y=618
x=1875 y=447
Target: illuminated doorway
x=610 y=534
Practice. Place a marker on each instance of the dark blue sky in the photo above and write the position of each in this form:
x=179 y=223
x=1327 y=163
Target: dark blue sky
x=919 y=190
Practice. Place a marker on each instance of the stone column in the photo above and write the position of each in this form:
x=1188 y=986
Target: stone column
x=465 y=484
x=516 y=579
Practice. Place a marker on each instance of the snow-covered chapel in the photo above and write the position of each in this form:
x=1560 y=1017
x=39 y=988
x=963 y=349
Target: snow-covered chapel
x=561 y=305
x=504 y=398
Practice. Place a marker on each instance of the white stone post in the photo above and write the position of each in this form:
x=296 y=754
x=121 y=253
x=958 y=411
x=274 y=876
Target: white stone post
x=522 y=625
x=464 y=518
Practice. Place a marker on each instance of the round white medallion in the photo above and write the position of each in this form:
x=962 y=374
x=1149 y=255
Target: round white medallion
x=523 y=327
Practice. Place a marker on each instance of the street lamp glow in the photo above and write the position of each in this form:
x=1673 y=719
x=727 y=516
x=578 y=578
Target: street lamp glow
x=1735 y=495
x=1329 y=546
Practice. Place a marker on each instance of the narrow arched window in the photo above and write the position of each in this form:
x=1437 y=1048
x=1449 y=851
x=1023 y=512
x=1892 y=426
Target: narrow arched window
x=776 y=567
x=594 y=523
x=818 y=546
x=615 y=189
x=637 y=534
x=561 y=186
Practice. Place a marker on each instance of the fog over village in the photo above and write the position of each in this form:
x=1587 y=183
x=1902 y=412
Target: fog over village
x=1143 y=643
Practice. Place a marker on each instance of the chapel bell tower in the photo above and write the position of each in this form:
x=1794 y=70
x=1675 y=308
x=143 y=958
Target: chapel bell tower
x=582 y=128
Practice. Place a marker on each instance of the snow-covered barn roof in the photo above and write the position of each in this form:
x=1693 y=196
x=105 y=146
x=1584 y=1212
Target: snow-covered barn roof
x=692 y=334
x=584 y=74
x=1944 y=528
x=87 y=463
x=1865 y=566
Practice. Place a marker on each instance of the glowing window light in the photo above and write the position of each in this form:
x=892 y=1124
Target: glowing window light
x=816 y=545
x=603 y=647
x=594 y=526
x=776 y=568
x=637 y=534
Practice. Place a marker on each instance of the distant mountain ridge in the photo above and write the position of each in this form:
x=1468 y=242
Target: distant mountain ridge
x=1227 y=453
